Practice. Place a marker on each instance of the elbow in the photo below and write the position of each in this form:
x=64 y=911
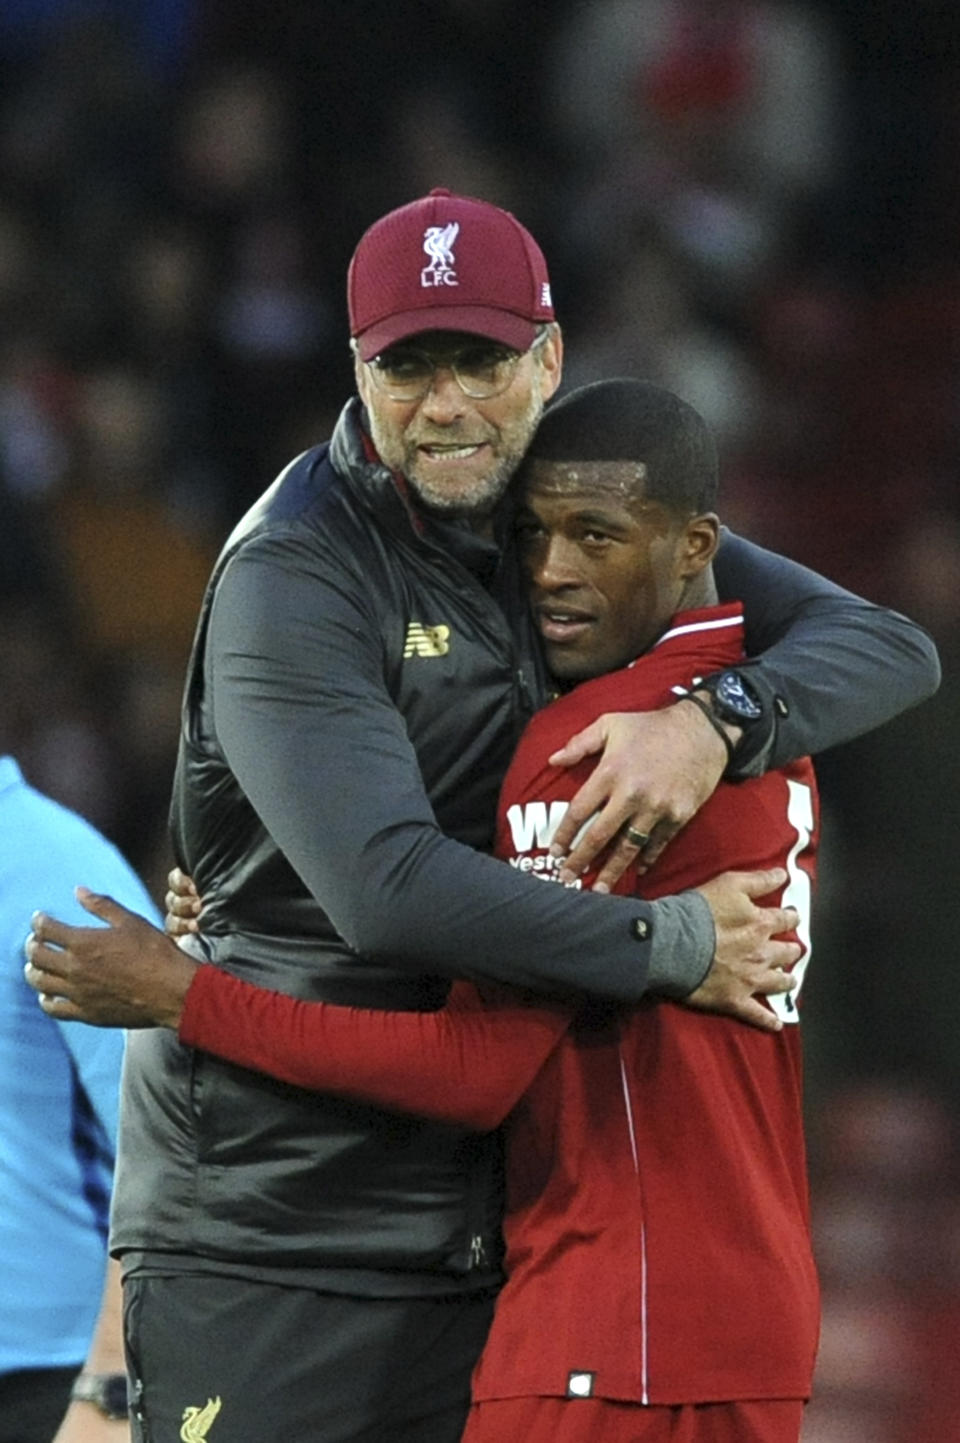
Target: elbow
x=931 y=670
x=910 y=652
x=391 y=913
x=369 y=937
x=920 y=653
x=372 y=919
x=383 y=936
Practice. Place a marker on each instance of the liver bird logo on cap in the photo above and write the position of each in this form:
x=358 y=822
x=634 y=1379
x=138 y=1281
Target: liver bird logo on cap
x=438 y=242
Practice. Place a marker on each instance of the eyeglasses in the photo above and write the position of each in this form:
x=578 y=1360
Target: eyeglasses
x=481 y=370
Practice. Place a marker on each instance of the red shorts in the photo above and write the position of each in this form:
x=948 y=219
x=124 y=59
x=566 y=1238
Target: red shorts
x=595 y=1420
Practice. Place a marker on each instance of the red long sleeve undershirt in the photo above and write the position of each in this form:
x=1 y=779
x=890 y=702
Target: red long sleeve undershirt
x=469 y=1063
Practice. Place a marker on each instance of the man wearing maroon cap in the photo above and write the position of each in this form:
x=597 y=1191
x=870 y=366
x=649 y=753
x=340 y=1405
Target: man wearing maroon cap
x=453 y=279
x=300 y=1265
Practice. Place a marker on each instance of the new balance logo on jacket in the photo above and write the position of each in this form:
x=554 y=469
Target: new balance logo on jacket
x=426 y=640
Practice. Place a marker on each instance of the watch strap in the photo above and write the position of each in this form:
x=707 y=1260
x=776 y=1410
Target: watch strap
x=107 y=1391
x=717 y=725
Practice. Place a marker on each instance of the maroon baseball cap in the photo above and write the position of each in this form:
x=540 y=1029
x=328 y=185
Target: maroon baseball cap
x=447 y=263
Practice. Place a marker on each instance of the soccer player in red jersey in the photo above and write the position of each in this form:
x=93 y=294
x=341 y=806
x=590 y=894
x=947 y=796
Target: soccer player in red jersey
x=660 y=1284
x=658 y=1247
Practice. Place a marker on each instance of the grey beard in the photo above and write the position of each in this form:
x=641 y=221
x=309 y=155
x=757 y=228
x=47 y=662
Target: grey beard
x=479 y=502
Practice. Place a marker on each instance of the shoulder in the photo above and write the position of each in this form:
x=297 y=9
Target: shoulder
x=307 y=523
x=316 y=493
x=301 y=491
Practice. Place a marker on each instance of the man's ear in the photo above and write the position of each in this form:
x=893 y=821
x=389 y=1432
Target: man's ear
x=698 y=546
x=550 y=361
x=361 y=378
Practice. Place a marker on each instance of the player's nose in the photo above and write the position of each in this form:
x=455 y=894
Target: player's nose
x=555 y=565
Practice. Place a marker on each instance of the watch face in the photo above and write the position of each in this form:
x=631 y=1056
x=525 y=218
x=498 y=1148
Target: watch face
x=731 y=693
x=106 y=1391
x=115 y=1395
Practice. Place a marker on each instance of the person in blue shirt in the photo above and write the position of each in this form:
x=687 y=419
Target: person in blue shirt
x=59 y=1087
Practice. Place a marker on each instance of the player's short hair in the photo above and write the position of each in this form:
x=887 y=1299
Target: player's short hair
x=630 y=420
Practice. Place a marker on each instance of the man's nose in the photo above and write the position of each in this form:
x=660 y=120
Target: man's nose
x=556 y=565
x=444 y=398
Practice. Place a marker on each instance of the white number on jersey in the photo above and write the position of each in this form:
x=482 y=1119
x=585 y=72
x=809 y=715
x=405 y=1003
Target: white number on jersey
x=797 y=892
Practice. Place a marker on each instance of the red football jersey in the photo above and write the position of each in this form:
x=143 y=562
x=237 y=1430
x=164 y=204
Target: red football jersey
x=658 y=1245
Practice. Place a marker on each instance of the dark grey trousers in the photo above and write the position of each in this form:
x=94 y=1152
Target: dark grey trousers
x=213 y=1357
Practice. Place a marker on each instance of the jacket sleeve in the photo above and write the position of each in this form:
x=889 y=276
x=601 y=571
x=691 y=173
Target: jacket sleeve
x=301 y=709
x=469 y=1063
x=827 y=665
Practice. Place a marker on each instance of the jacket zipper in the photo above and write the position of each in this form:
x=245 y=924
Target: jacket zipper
x=491 y=615
x=482 y=1178
x=628 y=1108
x=525 y=704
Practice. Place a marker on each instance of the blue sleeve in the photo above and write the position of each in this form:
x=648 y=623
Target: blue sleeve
x=49 y=851
x=59 y=1090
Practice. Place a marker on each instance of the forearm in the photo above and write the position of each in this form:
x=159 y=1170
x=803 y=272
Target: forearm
x=827 y=665
x=464 y=1064
x=83 y=1421
x=106 y=1348
x=488 y=921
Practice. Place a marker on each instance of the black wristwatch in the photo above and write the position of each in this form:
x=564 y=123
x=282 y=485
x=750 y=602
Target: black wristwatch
x=107 y=1391
x=732 y=699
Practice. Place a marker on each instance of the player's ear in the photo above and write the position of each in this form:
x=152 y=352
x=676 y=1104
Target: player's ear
x=699 y=542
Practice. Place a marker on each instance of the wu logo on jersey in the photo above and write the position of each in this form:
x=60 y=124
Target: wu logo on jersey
x=438 y=243
x=426 y=640
x=532 y=825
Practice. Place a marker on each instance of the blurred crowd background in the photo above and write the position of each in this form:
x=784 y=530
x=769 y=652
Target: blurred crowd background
x=755 y=203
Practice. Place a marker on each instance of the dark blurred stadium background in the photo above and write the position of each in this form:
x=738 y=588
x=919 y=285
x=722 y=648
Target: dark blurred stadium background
x=755 y=203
